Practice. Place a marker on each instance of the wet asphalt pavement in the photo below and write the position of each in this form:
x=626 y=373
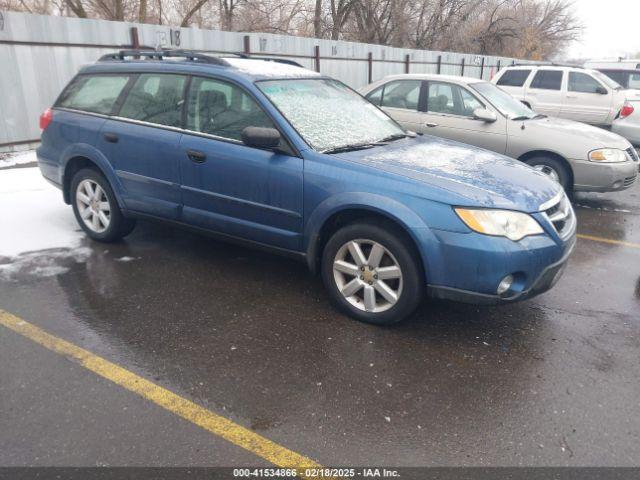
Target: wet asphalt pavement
x=251 y=336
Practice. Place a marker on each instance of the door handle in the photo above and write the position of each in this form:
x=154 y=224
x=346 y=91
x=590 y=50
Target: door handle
x=111 y=137
x=196 y=156
x=430 y=124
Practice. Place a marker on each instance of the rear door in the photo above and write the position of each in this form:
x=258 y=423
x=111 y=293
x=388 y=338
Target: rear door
x=545 y=93
x=587 y=100
x=229 y=187
x=448 y=112
x=142 y=143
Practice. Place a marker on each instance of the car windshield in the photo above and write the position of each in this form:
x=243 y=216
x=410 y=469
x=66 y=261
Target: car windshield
x=329 y=115
x=609 y=82
x=505 y=103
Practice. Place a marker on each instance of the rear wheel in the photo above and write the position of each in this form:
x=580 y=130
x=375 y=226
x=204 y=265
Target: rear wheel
x=553 y=168
x=96 y=208
x=371 y=273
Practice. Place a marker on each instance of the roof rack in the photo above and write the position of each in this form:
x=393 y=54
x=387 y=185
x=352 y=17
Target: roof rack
x=161 y=54
x=284 y=61
x=546 y=64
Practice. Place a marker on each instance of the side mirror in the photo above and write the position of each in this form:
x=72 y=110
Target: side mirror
x=601 y=90
x=484 y=115
x=260 y=137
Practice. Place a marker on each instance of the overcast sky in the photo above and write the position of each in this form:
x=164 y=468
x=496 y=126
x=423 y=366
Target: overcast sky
x=611 y=28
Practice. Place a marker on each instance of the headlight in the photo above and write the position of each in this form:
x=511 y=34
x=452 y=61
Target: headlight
x=608 y=155
x=504 y=223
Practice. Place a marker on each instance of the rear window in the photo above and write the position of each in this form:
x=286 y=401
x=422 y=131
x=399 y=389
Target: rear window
x=547 y=80
x=156 y=98
x=93 y=93
x=514 y=78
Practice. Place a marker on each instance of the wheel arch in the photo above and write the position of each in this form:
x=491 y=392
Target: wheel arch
x=548 y=153
x=326 y=221
x=87 y=157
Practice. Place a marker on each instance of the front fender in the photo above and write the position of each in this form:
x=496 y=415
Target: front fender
x=395 y=211
x=95 y=156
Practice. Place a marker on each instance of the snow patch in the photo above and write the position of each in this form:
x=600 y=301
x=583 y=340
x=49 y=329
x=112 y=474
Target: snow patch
x=46 y=263
x=33 y=215
x=125 y=259
x=269 y=69
x=18 y=159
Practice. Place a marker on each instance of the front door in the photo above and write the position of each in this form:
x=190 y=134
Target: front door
x=231 y=188
x=587 y=100
x=143 y=141
x=449 y=113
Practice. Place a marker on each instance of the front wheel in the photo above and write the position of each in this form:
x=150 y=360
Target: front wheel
x=553 y=168
x=96 y=208
x=372 y=273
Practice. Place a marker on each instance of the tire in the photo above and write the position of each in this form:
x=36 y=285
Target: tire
x=111 y=225
x=553 y=168
x=367 y=303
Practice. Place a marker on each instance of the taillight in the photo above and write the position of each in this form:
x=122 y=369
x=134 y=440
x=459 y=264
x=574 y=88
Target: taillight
x=45 y=119
x=626 y=110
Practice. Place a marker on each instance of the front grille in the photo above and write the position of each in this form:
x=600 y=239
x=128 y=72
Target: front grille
x=632 y=152
x=629 y=181
x=560 y=215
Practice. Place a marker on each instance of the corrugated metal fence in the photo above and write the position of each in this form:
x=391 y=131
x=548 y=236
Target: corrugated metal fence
x=39 y=55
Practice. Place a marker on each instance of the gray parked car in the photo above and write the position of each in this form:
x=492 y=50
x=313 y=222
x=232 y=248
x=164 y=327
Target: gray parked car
x=579 y=156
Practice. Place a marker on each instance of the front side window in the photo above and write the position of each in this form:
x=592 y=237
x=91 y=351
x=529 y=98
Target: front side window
x=401 y=94
x=634 y=81
x=514 y=78
x=156 y=98
x=222 y=109
x=469 y=103
x=441 y=99
x=94 y=93
x=328 y=114
x=451 y=99
x=583 y=83
x=547 y=80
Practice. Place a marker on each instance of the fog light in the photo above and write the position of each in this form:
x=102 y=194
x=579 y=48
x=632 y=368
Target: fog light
x=505 y=284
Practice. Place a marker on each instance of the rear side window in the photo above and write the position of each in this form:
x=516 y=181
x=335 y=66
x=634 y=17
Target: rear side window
x=583 y=83
x=156 y=98
x=547 y=80
x=514 y=78
x=93 y=93
x=222 y=109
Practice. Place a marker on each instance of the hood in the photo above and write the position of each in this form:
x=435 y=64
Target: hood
x=576 y=134
x=478 y=177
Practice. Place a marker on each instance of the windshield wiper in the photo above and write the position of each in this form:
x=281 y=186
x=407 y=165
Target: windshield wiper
x=349 y=148
x=521 y=117
x=395 y=136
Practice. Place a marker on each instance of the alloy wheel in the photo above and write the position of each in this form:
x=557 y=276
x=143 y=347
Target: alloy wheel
x=548 y=171
x=93 y=206
x=367 y=275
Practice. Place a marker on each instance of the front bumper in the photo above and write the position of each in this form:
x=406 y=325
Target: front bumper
x=603 y=177
x=545 y=280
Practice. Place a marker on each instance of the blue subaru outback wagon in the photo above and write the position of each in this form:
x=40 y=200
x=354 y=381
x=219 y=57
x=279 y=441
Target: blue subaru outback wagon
x=279 y=156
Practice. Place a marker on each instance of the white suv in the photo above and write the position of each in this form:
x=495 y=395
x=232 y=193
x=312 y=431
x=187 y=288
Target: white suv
x=575 y=93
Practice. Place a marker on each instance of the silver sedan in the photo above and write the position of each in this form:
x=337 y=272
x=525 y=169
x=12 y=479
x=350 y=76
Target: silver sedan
x=472 y=111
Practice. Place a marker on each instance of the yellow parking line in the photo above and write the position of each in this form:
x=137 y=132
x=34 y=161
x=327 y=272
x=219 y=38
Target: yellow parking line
x=608 y=240
x=220 y=426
